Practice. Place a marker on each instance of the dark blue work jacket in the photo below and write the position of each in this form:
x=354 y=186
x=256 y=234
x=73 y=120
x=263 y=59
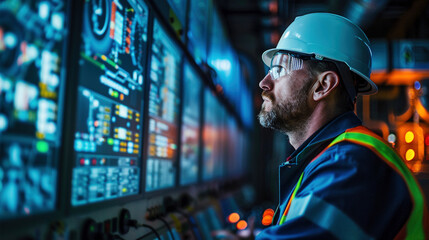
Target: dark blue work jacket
x=347 y=192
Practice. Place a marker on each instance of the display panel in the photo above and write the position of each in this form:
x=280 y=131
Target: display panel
x=213 y=135
x=190 y=136
x=32 y=36
x=163 y=111
x=109 y=115
x=233 y=146
x=198 y=29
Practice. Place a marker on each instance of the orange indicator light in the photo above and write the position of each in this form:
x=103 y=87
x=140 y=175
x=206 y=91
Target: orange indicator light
x=241 y=225
x=233 y=217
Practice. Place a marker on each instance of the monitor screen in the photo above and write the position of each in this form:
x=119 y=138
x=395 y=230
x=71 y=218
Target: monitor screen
x=233 y=149
x=32 y=53
x=198 y=28
x=190 y=127
x=107 y=137
x=212 y=137
x=163 y=111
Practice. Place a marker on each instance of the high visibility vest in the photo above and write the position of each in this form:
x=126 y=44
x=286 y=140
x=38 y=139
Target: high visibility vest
x=417 y=225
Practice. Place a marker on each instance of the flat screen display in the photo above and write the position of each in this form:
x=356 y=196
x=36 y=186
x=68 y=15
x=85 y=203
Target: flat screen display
x=190 y=136
x=107 y=137
x=198 y=29
x=32 y=54
x=163 y=111
x=213 y=135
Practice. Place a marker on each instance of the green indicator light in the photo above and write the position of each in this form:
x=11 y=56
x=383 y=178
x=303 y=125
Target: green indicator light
x=42 y=146
x=92 y=229
x=115 y=94
x=110 y=141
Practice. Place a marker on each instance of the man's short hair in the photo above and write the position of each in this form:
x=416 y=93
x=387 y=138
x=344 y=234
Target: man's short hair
x=316 y=67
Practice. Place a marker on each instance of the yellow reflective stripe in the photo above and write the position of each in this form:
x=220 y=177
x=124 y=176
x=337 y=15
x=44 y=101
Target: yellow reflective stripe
x=298 y=184
x=326 y=216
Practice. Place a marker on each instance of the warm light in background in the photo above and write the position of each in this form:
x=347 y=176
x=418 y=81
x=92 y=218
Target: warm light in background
x=241 y=225
x=410 y=154
x=233 y=217
x=409 y=137
x=416 y=167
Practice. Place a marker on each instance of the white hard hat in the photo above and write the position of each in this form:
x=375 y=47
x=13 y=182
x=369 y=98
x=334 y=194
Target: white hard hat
x=326 y=35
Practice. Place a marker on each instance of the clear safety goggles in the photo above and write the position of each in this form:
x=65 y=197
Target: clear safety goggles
x=283 y=64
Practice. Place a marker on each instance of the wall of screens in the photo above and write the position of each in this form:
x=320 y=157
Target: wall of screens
x=163 y=111
x=107 y=139
x=32 y=54
x=129 y=103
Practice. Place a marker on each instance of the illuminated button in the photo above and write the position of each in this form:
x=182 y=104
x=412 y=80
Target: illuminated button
x=42 y=146
x=410 y=154
x=40 y=135
x=269 y=212
x=96 y=123
x=110 y=141
x=233 y=217
x=124 y=190
x=267 y=220
x=82 y=161
x=241 y=225
x=409 y=137
x=94 y=161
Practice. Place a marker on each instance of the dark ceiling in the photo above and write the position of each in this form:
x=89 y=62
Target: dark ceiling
x=256 y=25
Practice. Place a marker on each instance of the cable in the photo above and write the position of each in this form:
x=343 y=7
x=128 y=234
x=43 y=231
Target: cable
x=168 y=227
x=152 y=229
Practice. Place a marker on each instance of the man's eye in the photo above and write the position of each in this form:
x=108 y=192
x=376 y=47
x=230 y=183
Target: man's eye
x=279 y=71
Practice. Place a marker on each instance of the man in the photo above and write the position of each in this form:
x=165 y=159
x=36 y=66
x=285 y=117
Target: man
x=342 y=181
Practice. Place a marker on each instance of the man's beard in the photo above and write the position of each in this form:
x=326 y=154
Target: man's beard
x=289 y=115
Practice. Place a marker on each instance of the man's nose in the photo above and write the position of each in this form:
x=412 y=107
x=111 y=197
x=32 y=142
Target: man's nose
x=266 y=83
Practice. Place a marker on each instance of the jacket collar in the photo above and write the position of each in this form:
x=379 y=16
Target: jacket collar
x=327 y=133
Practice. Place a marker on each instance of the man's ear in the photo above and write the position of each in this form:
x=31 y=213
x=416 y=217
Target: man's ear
x=325 y=84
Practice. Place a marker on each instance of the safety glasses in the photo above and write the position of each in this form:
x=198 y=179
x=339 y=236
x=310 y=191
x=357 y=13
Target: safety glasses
x=283 y=64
